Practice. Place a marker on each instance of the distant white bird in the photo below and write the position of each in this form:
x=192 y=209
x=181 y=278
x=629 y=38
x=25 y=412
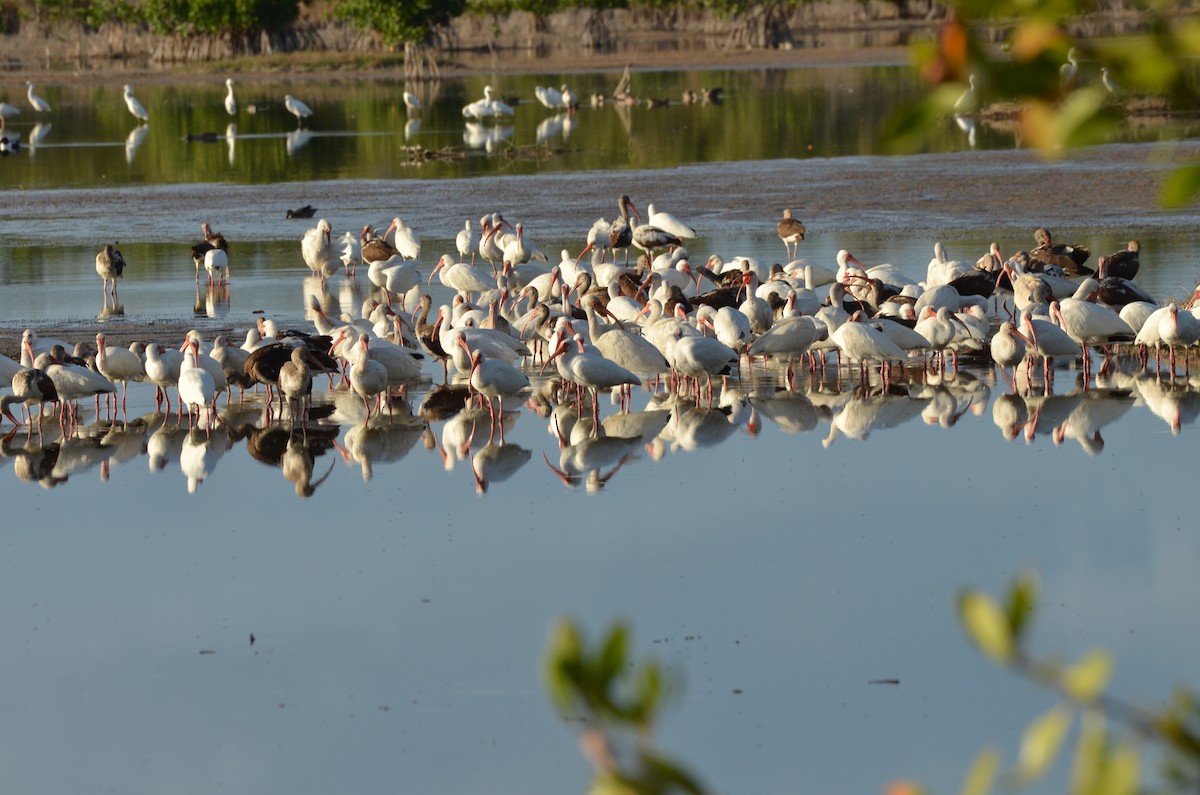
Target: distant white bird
x=134 y=106
x=465 y=241
x=1110 y=85
x=569 y=100
x=1068 y=70
x=487 y=107
x=966 y=100
x=412 y=103
x=230 y=102
x=297 y=108
x=549 y=97
x=7 y=111
x=39 y=104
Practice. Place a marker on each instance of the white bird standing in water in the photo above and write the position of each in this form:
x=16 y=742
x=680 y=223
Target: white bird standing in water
x=135 y=107
x=297 y=108
x=39 y=104
x=230 y=101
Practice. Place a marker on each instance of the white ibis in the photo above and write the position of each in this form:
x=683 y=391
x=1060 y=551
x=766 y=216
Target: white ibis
x=215 y=369
x=297 y=108
x=1008 y=346
x=631 y=351
x=162 y=368
x=368 y=378
x=864 y=343
x=465 y=242
x=74 y=381
x=1178 y=330
x=407 y=242
x=196 y=387
x=494 y=379
x=668 y=223
x=1048 y=341
x=518 y=250
x=317 y=250
x=118 y=364
x=216 y=264
x=789 y=339
x=230 y=100
x=398 y=362
x=942 y=270
x=1089 y=324
x=460 y=276
x=591 y=370
x=702 y=357
x=395 y=276
x=40 y=105
x=136 y=108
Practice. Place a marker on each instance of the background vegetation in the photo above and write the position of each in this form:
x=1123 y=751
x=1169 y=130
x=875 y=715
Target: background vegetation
x=396 y=21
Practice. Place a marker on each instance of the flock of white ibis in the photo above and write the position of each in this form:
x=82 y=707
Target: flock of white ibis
x=596 y=322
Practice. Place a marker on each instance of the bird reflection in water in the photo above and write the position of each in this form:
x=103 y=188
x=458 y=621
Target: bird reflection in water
x=136 y=138
x=295 y=451
x=212 y=300
x=297 y=139
x=589 y=453
x=33 y=462
x=385 y=438
x=497 y=462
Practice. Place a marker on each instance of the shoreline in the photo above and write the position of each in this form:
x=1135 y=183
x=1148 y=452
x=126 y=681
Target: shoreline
x=470 y=64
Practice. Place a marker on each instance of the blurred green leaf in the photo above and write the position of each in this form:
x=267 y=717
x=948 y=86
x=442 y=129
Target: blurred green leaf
x=1085 y=680
x=1022 y=602
x=1040 y=744
x=1122 y=771
x=1089 y=753
x=612 y=657
x=1181 y=186
x=562 y=665
x=987 y=625
x=982 y=774
x=648 y=690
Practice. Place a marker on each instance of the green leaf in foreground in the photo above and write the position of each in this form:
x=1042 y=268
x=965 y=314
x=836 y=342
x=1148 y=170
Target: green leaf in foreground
x=1181 y=186
x=1040 y=744
x=987 y=625
x=1085 y=680
x=982 y=774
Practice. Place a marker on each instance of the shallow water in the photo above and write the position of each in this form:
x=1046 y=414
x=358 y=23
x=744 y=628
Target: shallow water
x=777 y=552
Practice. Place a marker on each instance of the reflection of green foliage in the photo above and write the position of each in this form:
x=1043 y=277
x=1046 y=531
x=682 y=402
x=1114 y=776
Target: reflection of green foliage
x=400 y=21
x=618 y=702
x=1107 y=755
x=1054 y=113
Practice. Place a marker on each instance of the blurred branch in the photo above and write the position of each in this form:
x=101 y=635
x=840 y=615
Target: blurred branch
x=1062 y=92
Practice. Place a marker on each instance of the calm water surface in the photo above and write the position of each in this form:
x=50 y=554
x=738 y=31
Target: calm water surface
x=777 y=552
